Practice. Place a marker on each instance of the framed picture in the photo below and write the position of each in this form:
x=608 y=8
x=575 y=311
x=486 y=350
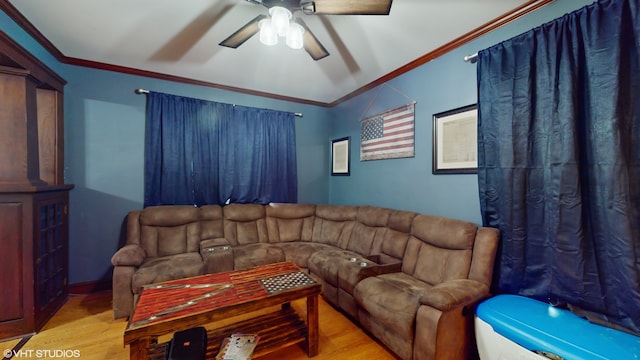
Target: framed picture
x=340 y=150
x=455 y=141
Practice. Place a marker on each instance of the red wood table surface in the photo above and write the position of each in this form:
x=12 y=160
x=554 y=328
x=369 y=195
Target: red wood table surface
x=177 y=305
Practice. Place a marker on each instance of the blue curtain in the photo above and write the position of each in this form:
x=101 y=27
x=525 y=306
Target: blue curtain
x=258 y=157
x=559 y=160
x=201 y=152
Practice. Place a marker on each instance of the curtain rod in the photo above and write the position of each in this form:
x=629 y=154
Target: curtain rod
x=471 y=58
x=143 y=91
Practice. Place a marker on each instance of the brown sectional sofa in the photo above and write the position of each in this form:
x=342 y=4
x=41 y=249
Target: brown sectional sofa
x=409 y=279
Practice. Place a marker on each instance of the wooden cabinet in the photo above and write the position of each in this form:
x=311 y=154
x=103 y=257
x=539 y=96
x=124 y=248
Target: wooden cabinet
x=35 y=245
x=50 y=253
x=34 y=201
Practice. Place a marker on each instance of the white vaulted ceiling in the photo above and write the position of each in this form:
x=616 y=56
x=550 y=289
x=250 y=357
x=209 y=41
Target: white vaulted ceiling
x=180 y=39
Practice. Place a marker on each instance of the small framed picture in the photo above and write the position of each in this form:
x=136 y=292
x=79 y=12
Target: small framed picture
x=455 y=141
x=340 y=150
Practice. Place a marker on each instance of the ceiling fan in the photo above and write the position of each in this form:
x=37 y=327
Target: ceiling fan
x=318 y=7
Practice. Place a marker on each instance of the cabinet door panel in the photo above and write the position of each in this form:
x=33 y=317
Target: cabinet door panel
x=51 y=256
x=11 y=281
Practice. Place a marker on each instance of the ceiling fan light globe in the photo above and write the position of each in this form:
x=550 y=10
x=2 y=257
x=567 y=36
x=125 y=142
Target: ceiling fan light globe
x=295 y=34
x=268 y=34
x=280 y=19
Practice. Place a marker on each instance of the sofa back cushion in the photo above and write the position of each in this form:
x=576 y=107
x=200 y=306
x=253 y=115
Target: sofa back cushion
x=439 y=249
x=290 y=222
x=211 y=224
x=244 y=224
x=169 y=230
x=397 y=235
x=333 y=224
x=369 y=230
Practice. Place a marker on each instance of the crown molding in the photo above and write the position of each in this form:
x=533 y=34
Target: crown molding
x=504 y=19
x=508 y=17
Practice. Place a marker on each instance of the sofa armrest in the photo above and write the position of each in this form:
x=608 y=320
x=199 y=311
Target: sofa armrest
x=454 y=293
x=354 y=271
x=217 y=254
x=379 y=269
x=205 y=245
x=129 y=255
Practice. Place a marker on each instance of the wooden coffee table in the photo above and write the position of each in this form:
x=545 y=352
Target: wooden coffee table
x=168 y=307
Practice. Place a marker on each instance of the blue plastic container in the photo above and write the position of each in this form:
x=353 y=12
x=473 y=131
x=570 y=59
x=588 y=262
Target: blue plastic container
x=537 y=326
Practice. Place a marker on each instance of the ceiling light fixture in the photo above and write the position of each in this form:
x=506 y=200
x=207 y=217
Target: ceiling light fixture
x=294 y=36
x=280 y=25
x=268 y=33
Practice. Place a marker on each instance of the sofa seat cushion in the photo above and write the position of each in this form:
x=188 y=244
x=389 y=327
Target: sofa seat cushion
x=393 y=299
x=252 y=255
x=299 y=252
x=326 y=263
x=165 y=268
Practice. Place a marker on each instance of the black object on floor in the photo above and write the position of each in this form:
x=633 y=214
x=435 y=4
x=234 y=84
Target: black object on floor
x=190 y=344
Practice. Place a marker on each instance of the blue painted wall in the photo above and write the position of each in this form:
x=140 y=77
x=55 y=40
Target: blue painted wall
x=442 y=84
x=104 y=132
x=104 y=154
x=104 y=151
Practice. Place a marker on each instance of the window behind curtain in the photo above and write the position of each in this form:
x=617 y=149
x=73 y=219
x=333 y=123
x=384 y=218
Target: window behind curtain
x=559 y=160
x=201 y=152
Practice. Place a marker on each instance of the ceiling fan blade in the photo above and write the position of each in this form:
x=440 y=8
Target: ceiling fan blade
x=311 y=43
x=243 y=34
x=347 y=7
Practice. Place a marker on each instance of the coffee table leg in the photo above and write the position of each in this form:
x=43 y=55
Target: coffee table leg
x=139 y=349
x=312 y=325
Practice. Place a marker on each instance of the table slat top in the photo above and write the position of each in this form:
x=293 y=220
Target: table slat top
x=176 y=298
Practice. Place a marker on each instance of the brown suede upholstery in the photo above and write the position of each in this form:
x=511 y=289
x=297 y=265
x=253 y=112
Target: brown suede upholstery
x=436 y=275
x=245 y=224
x=214 y=247
x=289 y=222
x=333 y=224
x=163 y=243
x=340 y=270
x=291 y=228
x=410 y=280
x=245 y=227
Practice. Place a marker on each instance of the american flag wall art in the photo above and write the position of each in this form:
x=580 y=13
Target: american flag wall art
x=389 y=134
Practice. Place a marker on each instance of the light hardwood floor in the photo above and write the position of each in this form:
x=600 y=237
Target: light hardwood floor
x=85 y=324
